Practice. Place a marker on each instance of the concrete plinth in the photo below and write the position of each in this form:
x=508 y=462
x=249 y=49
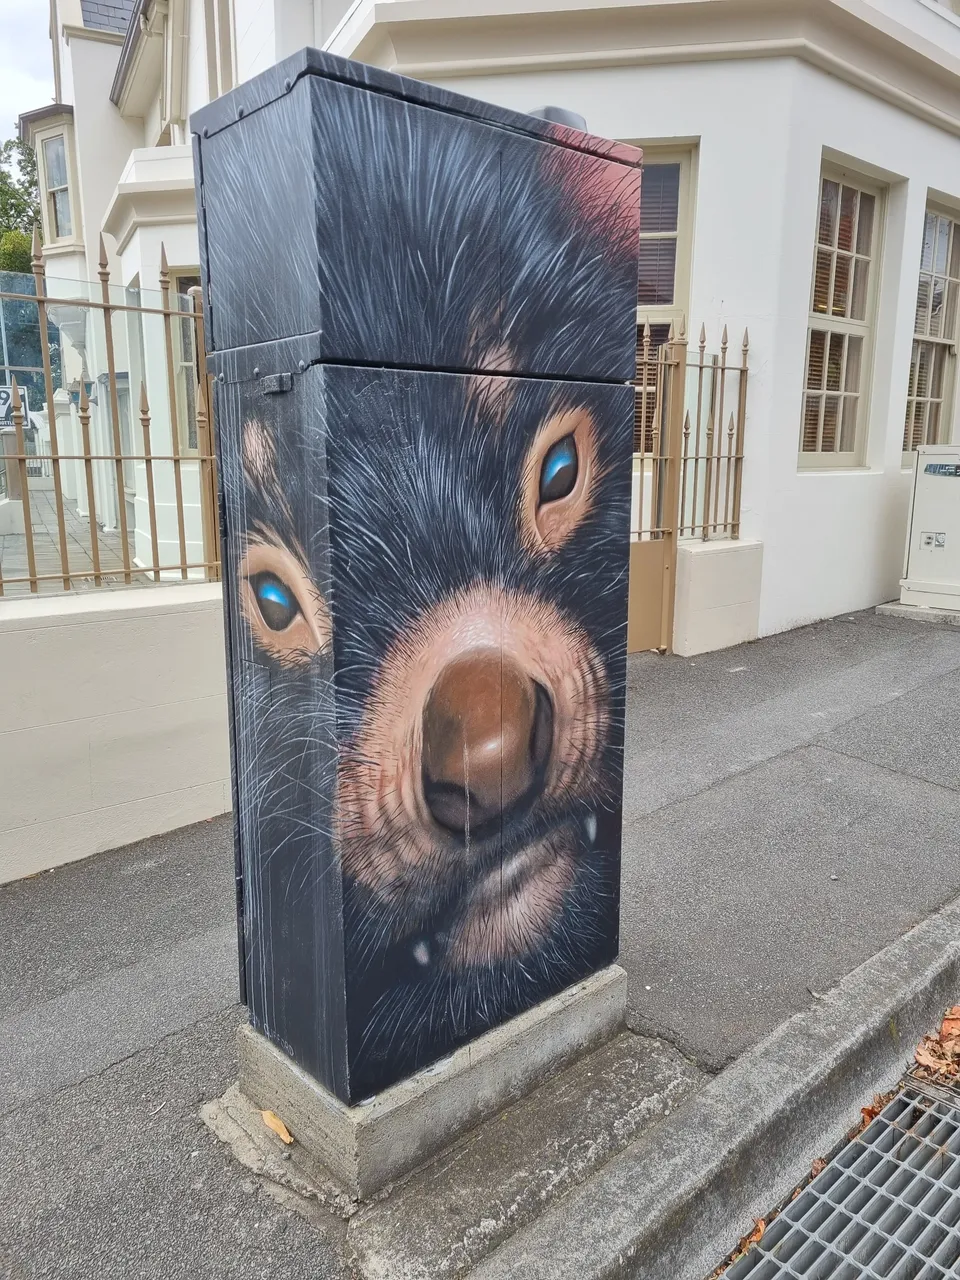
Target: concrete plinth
x=920 y=613
x=368 y=1146
x=11 y=513
x=718 y=594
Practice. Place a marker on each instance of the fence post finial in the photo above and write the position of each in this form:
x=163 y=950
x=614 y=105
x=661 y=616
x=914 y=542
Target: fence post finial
x=36 y=249
x=746 y=340
x=164 y=272
x=16 y=404
x=103 y=258
x=682 y=329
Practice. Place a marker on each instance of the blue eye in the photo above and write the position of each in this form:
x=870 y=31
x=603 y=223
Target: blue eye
x=559 y=471
x=276 y=602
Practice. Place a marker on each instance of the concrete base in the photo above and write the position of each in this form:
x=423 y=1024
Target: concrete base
x=368 y=1146
x=718 y=594
x=445 y=1218
x=920 y=613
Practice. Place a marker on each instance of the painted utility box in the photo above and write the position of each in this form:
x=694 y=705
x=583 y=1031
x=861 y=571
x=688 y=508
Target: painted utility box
x=421 y=313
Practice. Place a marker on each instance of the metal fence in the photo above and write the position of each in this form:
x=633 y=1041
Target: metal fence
x=108 y=469
x=688 y=437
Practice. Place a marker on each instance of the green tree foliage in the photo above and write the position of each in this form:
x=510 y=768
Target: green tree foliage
x=21 y=338
x=15 y=249
x=19 y=192
x=19 y=214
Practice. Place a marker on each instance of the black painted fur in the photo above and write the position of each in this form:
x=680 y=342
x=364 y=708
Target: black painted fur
x=402 y=488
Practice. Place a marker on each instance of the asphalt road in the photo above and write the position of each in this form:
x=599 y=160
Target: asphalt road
x=790 y=807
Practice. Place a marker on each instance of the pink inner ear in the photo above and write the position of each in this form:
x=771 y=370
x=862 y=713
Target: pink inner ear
x=604 y=194
x=259 y=454
x=502 y=356
x=486 y=390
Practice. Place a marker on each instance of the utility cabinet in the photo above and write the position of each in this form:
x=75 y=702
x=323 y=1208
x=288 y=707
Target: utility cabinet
x=931 y=571
x=422 y=326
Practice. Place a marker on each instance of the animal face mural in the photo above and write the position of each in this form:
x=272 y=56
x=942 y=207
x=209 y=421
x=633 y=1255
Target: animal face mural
x=426 y=505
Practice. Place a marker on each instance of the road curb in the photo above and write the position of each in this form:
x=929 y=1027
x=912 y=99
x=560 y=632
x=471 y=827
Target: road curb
x=673 y=1205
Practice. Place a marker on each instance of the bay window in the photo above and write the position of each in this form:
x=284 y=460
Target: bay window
x=842 y=316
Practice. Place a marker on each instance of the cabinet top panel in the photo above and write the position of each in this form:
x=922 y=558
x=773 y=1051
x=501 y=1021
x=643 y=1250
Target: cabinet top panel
x=399 y=233
x=280 y=79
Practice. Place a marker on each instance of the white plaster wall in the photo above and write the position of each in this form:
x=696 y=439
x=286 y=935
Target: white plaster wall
x=928 y=18
x=329 y=15
x=116 y=725
x=197 y=88
x=267 y=31
x=104 y=139
x=832 y=541
x=255 y=36
x=152 y=121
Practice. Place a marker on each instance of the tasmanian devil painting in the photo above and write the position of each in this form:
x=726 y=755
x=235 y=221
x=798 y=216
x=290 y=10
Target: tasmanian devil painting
x=425 y=433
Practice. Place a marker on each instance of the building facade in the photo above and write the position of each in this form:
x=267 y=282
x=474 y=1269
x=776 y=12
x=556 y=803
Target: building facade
x=802 y=180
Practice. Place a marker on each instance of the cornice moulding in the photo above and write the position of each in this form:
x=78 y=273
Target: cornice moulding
x=168 y=202
x=847 y=38
x=71 y=32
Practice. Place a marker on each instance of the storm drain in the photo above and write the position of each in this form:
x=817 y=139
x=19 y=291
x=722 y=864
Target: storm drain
x=887 y=1207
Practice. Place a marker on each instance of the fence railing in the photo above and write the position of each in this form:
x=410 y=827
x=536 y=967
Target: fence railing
x=689 y=432
x=113 y=477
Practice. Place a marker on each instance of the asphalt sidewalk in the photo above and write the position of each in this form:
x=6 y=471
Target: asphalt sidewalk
x=791 y=807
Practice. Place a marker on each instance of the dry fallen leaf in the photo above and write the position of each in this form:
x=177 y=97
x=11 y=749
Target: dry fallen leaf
x=273 y=1121
x=928 y=1054
x=756 y=1235
x=818 y=1166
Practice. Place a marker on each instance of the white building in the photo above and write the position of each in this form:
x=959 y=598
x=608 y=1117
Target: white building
x=803 y=179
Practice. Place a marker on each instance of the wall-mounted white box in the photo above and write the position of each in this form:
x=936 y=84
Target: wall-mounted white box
x=931 y=565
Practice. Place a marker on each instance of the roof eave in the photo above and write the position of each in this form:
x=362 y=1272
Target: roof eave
x=127 y=52
x=28 y=119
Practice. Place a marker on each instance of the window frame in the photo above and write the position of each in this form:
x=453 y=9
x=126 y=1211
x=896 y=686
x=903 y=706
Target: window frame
x=60 y=129
x=182 y=279
x=665 y=315
x=686 y=156
x=948 y=399
x=866 y=329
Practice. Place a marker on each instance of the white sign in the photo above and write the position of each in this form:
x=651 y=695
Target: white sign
x=6 y=407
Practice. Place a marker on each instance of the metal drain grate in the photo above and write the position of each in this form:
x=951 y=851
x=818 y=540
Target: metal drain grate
x=887 y=1207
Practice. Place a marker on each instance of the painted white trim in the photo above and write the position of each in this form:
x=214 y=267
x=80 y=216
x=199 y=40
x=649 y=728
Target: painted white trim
x=850 y=39
x=90 y=33
x=107 y=606
x=947 y=14
x=791 y=46
x=143 y=200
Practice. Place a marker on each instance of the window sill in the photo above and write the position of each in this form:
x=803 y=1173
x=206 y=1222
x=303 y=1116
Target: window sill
x=840 y=469
x=59 y=248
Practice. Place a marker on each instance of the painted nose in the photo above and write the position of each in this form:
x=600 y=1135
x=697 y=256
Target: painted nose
x=487 y=737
